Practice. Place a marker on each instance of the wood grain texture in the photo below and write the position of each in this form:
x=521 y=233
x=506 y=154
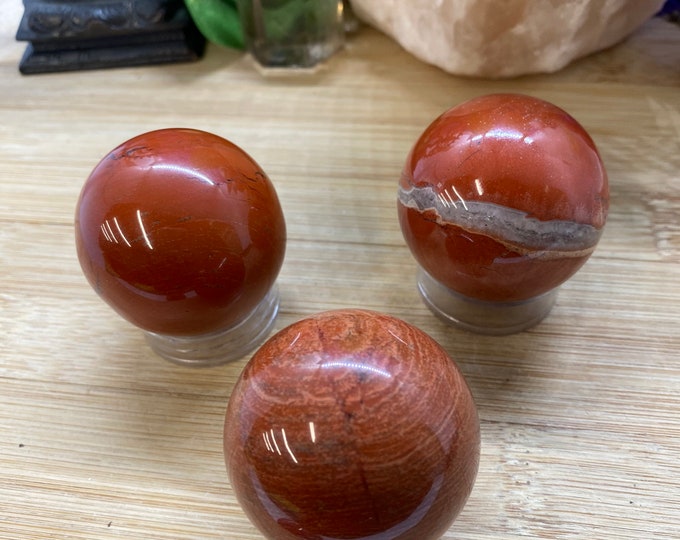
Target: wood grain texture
x=101 y=439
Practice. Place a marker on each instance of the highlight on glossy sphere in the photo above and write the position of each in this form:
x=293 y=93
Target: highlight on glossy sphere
x=502 y=199
x=182 y=233
x=351 y=424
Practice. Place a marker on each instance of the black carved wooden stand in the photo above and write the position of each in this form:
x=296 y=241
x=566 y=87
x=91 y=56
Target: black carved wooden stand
x=93 y=34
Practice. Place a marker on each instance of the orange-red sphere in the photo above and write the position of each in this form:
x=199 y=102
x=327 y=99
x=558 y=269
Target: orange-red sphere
x=351 y=424
x=180 y=231
x=503 y=197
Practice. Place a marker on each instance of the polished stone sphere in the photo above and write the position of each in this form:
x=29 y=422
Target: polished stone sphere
x=351 y=424
x=503 y=198
x=180 y=231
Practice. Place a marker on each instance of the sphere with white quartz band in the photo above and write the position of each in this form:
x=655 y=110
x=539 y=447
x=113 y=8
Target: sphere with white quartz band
x=503 y=198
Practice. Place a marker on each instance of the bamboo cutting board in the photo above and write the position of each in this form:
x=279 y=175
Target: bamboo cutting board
x=101 y=439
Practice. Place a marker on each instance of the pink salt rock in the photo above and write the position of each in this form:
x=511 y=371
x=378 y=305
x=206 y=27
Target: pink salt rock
x=487 y=38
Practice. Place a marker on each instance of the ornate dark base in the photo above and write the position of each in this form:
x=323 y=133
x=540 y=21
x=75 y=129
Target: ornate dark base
x=94 y=34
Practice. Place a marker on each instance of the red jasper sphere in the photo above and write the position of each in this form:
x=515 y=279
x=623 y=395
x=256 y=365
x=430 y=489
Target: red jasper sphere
x=180 y=231
x=503 y=197
x=355 y=425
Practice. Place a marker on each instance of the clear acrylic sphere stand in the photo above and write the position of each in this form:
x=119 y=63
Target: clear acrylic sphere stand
x=479 y=316
x=223 y=346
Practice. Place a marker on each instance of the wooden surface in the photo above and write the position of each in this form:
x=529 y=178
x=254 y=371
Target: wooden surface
x=580 y=416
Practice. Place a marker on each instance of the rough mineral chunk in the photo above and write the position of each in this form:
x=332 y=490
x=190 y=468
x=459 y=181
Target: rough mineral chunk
x=488 y=38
